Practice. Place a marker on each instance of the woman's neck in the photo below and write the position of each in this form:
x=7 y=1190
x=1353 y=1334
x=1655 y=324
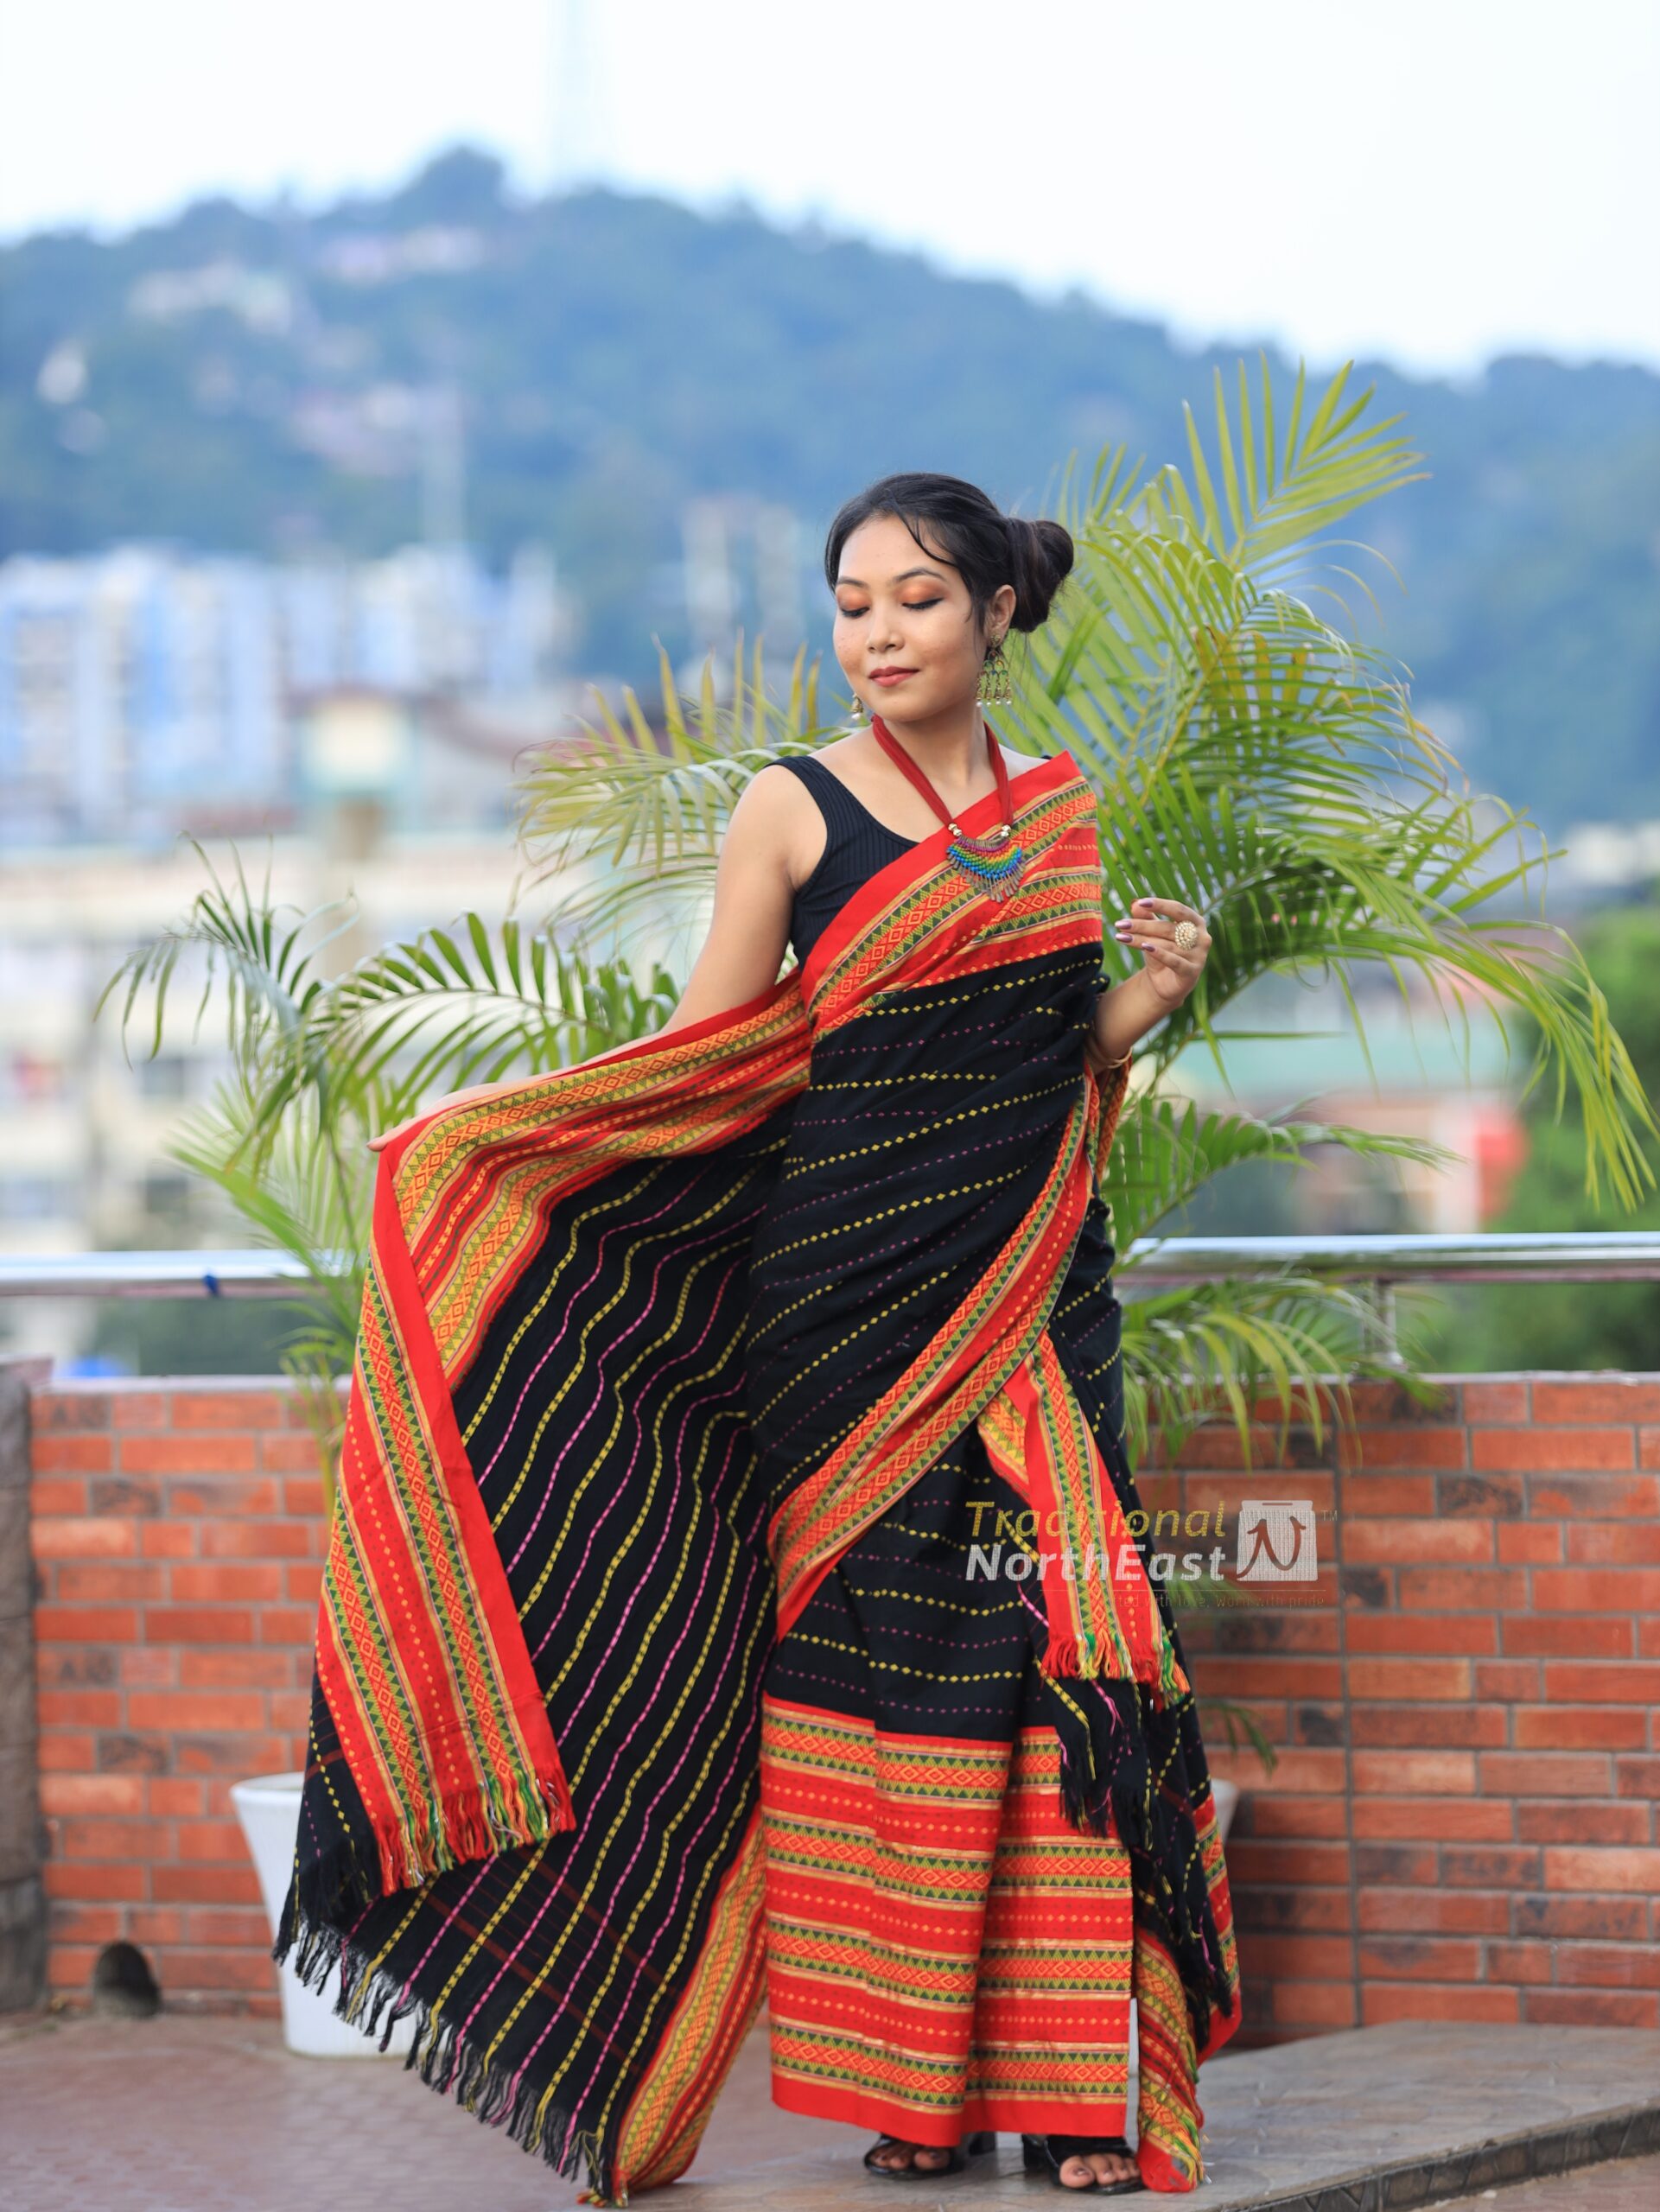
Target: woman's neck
x=949 y=747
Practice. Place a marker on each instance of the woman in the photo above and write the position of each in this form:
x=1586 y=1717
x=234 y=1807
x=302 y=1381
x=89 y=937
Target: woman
x=732 y=1586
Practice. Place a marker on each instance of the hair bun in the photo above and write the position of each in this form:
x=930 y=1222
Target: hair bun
x=1041 y=555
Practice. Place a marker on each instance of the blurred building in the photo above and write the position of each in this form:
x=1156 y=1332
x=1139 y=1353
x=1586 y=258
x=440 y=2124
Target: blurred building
x=143 y=691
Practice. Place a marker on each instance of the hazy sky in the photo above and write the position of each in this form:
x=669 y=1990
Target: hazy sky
x=1432 y=181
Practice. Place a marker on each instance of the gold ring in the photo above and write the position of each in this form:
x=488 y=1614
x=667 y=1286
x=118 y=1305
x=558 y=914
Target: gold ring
x=1186 y=936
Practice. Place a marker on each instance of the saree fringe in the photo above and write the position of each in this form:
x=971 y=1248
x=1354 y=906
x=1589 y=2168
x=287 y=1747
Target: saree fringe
x=454 y=2063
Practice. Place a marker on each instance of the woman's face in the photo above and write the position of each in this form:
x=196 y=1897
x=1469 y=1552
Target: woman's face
x=902 y=607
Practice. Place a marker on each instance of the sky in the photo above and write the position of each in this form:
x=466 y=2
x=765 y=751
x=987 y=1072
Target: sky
x=1429 y=181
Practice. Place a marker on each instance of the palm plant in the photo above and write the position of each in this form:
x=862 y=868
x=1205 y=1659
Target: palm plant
x=1244 y=751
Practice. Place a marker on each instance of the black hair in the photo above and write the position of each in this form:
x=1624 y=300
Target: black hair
x=985 y=546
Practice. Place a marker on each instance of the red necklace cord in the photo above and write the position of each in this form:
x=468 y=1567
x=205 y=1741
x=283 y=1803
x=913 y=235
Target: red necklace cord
x=908 y=767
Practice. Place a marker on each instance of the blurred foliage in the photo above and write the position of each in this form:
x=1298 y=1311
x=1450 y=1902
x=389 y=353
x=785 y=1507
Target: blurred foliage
x=1569 y=1325
x=616 y=355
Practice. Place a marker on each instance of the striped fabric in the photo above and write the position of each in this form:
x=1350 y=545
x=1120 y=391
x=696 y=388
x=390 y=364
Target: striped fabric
x=652 y=1350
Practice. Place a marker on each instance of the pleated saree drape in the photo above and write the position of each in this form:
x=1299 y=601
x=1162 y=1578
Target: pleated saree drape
x=648 y=1347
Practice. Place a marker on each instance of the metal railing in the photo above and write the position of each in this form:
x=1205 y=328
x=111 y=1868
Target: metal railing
x=1381 y=1262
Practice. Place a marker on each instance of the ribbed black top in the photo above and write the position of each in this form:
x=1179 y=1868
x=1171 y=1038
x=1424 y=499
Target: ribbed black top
x=856 y=845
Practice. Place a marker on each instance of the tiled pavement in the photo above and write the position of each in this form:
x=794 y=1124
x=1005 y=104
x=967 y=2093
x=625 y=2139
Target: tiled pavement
x=187 y=2113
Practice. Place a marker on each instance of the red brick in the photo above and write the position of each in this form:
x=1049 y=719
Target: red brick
x=122 y=1751
x=196 y=1884
x=237 y=1970
x=1409 y=1678
x=1546 y=1774
x=1596 y=1589
x=97 y=1586
x=76 y=1666
x=1585 y=2008
x=1490 y=1866
x=216 y=1711
x=92 y=1793
x=90 y=1838
x=55 y=1409
x=267 y=1670
x=1455 y=1912
x=1378 y=1494
x=1637 y=1778
x=1382 y=2001
x=148 y=1666
x=304 y=1584
x=77 y=1708
x=86 y=1923
x=138 y=1409
x=221 y=1409
x=1507 y=1680
x=1609 y=1966
x=72 y=1455
x=1494 y=1402
x=1268 y=1860
x=256 y=1540
x=295 y=1625
x=1612 y=1920
x=1620 y=1869
x=56 y=1494
x=1312 y=2005
x=1471 y=1727
x=70 y=1965
x=1628 y=1683
x=1604 y=1496
x=1615 y=1398
x=1453 y=1633
x=1648 y=1447
x=1458 y=1589
x=303 y=1499
x=61 y=1752
x=1529 y=1962
x=1490 y=1495
x=1313 y=1817
x=234 y=1754
x=219 y=1842
x=1578 y=1728
x=1390 y=1542
x=1306 y=1958
x=1569 y=1822
x=1440 y=1820
x=1613 y=1543
x=1412 y=1865
x=199 y=1624
x=167 y=1539
x=150 y=1925
x=290 y=1709
x=1589 y=1635
x=219 y=1501
x=85 y=1536
x=1381 y=1448
x=230 y=1925
x=121 y=1881
x=1530 y=1543
x=1419 y=1958
x=1539 y=1450
x=174 y=1798
x=289 y=1454
x=224 y=1584
x=167 y=1453
x=1452 y=1773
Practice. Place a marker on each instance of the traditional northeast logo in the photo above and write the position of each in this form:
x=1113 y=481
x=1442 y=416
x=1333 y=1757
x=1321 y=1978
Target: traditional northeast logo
x=1276 y=1540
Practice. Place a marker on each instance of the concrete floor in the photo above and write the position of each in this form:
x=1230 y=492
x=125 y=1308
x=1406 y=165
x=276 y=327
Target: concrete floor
x=186 y=2114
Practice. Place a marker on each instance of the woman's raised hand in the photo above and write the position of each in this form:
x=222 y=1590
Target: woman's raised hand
x=1174 y=959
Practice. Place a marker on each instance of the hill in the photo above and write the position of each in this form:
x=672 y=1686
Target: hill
x=260 y=380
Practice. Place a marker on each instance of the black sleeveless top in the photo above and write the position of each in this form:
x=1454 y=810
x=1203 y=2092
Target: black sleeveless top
x=856 y=845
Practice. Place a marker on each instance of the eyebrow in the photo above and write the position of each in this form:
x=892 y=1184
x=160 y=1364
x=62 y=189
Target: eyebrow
x=859 y=584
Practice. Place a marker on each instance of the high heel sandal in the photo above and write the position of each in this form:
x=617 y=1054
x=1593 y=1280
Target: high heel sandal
x=972 y=2147
x=1049 y=2154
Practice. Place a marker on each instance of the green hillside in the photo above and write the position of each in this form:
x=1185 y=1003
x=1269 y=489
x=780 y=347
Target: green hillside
x=253 y=379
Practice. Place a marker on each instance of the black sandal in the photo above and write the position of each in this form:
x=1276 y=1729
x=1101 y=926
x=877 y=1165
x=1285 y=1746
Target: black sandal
x=972 y=2147
x=1049 y=2154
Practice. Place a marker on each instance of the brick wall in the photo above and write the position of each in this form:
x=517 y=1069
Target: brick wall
x=1461 y=1823
x=177 y=1534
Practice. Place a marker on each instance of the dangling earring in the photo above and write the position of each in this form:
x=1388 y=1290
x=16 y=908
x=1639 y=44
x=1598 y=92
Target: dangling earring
x=858 y=710
x=994 y=686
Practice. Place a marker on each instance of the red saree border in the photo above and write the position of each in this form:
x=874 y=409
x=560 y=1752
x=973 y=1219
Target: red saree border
x=927 y=858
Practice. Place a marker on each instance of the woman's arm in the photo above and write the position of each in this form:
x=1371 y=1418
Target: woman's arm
x=761 y=859
x=1125 y=1011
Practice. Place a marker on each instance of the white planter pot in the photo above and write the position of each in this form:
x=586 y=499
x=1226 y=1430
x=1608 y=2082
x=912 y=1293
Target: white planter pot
x=268 y=1807
x=1226 y=1795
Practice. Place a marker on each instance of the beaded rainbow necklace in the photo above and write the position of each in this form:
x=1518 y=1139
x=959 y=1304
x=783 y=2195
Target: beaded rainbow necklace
x=994 y=862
